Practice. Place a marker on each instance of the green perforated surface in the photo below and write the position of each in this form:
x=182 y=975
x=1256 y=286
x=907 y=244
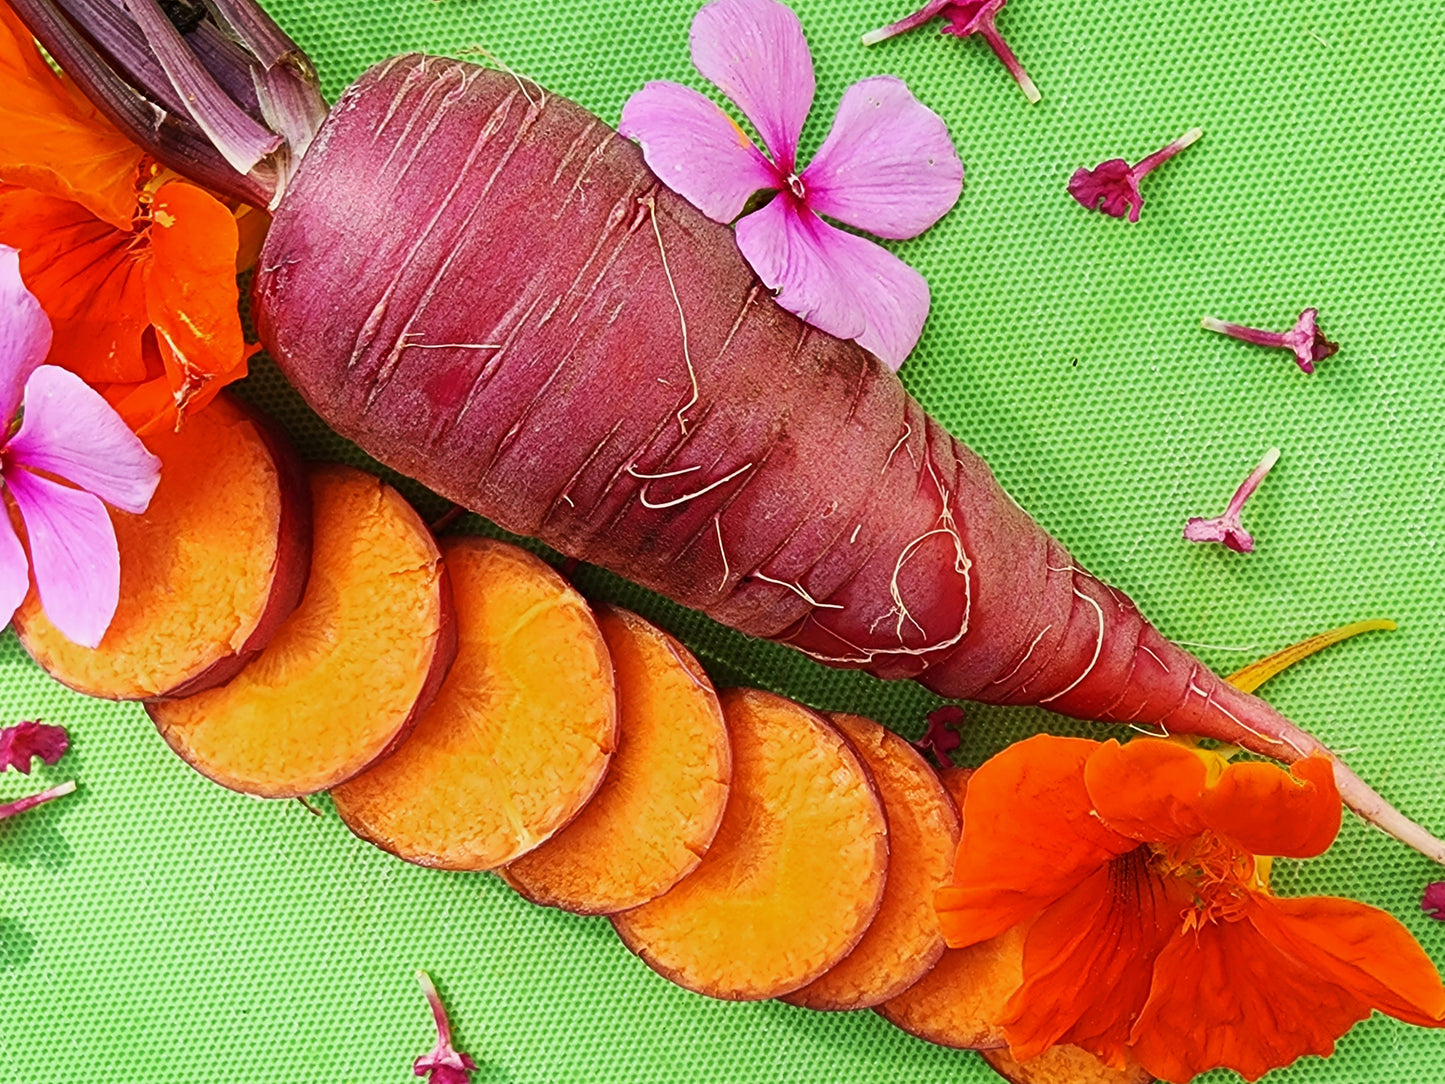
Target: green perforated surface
x=157 y=928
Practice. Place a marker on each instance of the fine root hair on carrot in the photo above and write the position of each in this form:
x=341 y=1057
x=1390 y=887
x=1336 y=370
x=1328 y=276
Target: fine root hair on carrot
x=520 y=734
x=662 y=799
x=904 y=941
x=650 y=202
x=797 y=589
x=208 y=572
x=349 y=672
x=642 y=494
x=795 y=874
x=501 y=65
x=1064 y=1064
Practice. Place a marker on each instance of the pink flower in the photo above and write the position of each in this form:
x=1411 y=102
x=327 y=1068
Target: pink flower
x=445 y=1064
x=1113 y=186
x=887 y=167
x=1228 y=528
x=1305 y=340
x=52 y=425
x=1433 y=902
x=24 y=741
x=965 y=18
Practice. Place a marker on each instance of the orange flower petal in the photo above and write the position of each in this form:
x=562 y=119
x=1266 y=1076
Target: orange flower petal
x=1089 y=961
x=87 y=276
x=1294 y=814
x=191 y=291
x=1225 y=995
x=1359 y=948
x=56 y=142
x=1160 y=791
x=1029 y=837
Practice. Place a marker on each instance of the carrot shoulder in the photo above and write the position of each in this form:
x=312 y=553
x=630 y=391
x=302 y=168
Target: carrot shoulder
x=662 y=799
x=346 y=676
x=520 y=734
x=208 y=572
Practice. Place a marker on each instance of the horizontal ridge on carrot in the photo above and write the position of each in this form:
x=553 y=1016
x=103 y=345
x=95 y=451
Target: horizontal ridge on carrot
x=484 y=287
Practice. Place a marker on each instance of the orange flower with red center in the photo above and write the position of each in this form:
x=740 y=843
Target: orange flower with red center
x=1150 y=924
x=136 y=270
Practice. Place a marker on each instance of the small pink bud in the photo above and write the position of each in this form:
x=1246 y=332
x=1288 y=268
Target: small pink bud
x=942 y=736
x=965 y=19
x=1113 y=186
x=21 y=742
x=1305 y=339
x=1228 y=528
x=445 y=1064
x=1433 y=902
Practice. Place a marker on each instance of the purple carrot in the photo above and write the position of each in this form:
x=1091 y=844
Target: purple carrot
x=1305 y=340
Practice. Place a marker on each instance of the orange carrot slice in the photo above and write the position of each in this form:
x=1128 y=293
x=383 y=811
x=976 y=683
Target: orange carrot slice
x=904 y=940
x=795 y=874
x=349 y=672
x=662 y=799
x=1064 y=1064
x=208 y=572
x=520 y=734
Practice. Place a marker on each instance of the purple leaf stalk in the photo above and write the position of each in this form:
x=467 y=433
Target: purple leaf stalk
x=20 y=805
x=942 y=735
x=965 y=19
x=1113 y=186
x=1305 y=340
x=446 y=1064
x=1227 y=528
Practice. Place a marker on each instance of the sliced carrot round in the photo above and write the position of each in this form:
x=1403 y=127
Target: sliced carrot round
x=795 y=874
x=519 y=736
x=662 y=799
x=904 y=941
x=1064 y=1065
x=349 y=672
x=207 y=573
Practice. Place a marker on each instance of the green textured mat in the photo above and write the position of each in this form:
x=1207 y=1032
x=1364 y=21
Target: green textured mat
x=156 y=928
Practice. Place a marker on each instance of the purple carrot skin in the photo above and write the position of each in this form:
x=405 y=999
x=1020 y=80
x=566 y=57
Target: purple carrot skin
x=964 y=19
x=20 y=805
x=620 y=386
x=1305 y=340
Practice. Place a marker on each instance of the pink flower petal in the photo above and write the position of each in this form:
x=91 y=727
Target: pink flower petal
x=755 y=53
x=839 y=283
x=24 y=335
x=70 y=431
x=887 y=166
x=21 y=743
x=73 y=552
x=696 y=149
x=14 y=568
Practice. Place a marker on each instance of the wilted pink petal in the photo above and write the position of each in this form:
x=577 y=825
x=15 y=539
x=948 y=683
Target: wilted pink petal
x=1433 y=902
x=20 y=805
x=445 y=1064
x=942 y=735
x=888 y=165
x=1228 y=528
x=14 y=569
x=24 y=336
x=696 y=149
x=755 y=53
x=70 y=431
x=1113 y=186
x=965 y=18
x=23 y=741
x=836 y=281
x=1305 y=340
x=73 y=554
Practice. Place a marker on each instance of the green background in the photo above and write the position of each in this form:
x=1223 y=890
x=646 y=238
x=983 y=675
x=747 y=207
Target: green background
x=154 y=927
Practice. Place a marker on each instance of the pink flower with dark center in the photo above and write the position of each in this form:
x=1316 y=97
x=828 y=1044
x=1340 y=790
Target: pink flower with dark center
x=1228 y=528
x=1433 y=902
x=888 y=167
x=942 y=735
x=1113 y=186
x=54 y=426
x=24 y=741
x=445 y=1064
x=964 y=20
x=1305 y=340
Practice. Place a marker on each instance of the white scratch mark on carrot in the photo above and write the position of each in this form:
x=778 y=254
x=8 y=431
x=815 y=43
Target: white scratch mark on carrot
x=568 y=500
x=1149 y=733
x=1137 y=712
x=1098 y=648
x=1156 y=658
x=809 y=599
x=448 y=346
x=907 y=432
x=727 y=571
x=1042 y=633
x=665 y=474
x=854 y=536
x=692 y=496
x=1210 y=701
x=651 y=205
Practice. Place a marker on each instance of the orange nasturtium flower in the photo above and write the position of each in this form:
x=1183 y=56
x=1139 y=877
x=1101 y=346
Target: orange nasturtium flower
x=1141 y=870
x=136 y=269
